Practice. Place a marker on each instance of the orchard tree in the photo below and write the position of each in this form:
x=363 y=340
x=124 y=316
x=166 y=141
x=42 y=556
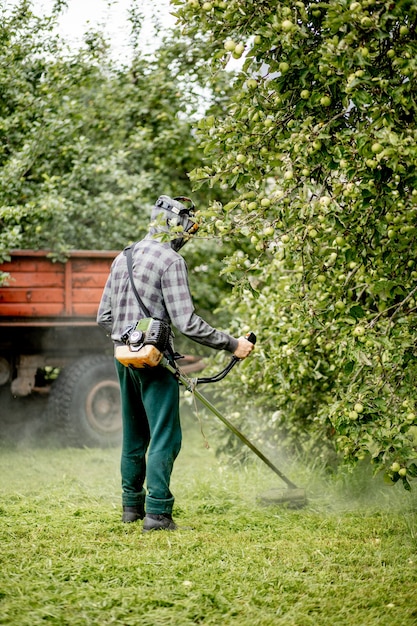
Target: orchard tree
x=86 y=145
x=319 y=145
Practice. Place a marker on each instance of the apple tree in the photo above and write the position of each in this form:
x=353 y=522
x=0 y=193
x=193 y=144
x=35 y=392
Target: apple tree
x=318 y=144
x=86 y=143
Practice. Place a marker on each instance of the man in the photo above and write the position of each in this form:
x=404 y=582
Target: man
x=150 y=397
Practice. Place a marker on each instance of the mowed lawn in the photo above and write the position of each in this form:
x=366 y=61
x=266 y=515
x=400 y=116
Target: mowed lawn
x=348 y=557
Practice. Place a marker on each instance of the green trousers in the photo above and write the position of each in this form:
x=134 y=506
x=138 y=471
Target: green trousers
x=151 y=436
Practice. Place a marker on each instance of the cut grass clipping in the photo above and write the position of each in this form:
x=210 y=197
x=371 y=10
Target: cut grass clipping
x=348 y=557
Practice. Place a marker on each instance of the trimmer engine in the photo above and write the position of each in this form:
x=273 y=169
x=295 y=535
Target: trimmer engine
x=145 y=343
x=148 y=331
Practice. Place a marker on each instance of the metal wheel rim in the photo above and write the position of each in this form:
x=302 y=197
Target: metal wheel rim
x=103 y=409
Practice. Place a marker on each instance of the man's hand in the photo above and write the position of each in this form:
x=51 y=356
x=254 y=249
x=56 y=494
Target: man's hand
x=244 y=348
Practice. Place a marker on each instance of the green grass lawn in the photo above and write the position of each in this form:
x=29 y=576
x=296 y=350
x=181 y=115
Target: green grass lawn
x=348 y=557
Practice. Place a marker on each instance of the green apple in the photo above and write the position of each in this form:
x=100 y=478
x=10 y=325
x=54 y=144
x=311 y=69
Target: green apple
x=325 y=201
x=283 y=67
x=305 y=94
x=251 y=83
x=229 y=45
x=376 y=147
x=395 y=467
x=358 y=331
x=325 y=101
x=366 y=22
x=239 y=50
x=287 y=25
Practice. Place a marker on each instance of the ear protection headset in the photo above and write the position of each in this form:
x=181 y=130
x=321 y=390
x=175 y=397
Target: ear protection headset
x=191 y=227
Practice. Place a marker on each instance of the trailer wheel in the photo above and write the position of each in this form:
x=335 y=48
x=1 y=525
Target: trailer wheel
x=84 y=404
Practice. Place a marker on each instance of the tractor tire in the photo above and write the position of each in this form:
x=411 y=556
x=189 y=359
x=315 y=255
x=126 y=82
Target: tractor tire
x=84 y=404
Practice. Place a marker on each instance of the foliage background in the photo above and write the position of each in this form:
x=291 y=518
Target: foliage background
x=304 y=165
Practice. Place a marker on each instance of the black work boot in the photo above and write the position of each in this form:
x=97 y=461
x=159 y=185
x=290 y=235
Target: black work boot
x=158 y=522
x=133 y=513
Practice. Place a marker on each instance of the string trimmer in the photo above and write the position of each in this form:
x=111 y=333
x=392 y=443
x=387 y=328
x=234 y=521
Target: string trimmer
x=293 y=497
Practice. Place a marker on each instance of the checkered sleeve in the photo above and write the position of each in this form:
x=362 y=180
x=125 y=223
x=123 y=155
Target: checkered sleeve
x=179 y=305
x=104 y=314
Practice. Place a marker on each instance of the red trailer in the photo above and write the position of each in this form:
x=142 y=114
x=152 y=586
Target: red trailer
x=55 y=360
x=48 y=327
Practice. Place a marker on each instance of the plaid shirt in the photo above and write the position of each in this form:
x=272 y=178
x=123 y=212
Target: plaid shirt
x=161 y=279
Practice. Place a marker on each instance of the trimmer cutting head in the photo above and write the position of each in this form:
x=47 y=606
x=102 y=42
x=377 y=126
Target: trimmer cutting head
x=290 y=498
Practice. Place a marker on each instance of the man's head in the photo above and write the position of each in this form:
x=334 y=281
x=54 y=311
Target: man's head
x=171 y=213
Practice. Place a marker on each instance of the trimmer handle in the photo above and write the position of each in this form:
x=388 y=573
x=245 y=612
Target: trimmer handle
x=214 y=379
x=251 y=337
